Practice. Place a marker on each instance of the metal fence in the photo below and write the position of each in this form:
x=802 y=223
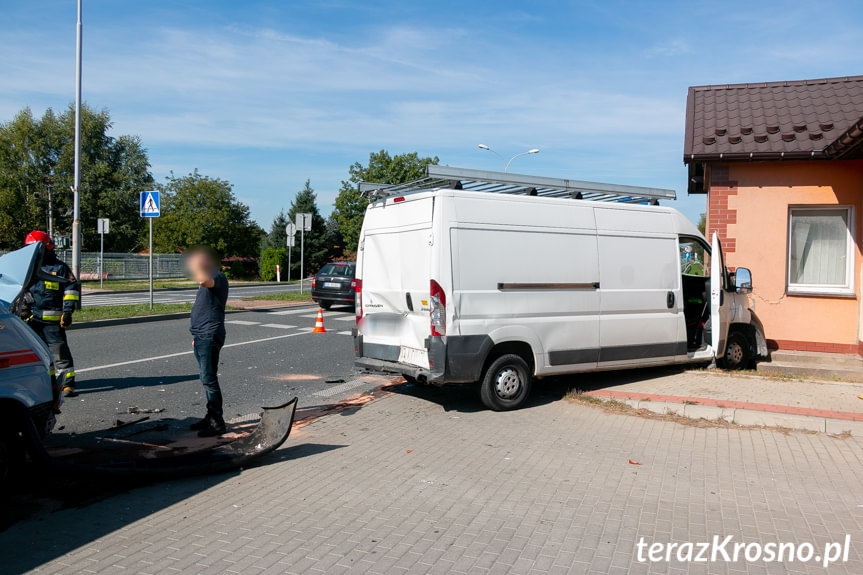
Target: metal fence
x=127 y=266
x=131 y=266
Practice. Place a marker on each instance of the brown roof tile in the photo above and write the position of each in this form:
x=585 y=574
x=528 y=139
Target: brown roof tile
x=772 y=120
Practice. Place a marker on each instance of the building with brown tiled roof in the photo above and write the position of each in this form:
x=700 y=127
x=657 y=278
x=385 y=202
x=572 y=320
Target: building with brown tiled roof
x=781 y=164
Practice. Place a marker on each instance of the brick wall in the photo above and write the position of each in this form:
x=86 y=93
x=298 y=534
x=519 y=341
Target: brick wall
x=816 y=346
x=719 y=215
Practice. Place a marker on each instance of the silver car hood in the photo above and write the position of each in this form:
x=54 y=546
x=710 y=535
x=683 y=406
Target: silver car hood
x=17 y=270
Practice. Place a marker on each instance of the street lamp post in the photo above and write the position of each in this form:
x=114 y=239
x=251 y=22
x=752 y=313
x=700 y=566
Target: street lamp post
x=506 y=162
x=76 y=188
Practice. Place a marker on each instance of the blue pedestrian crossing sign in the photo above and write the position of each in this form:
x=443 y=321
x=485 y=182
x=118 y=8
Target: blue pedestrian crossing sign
x=149 y=204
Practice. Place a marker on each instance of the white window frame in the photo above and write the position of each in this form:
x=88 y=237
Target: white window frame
x=846 y=290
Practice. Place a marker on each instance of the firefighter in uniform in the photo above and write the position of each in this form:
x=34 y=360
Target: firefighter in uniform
x=50 y=308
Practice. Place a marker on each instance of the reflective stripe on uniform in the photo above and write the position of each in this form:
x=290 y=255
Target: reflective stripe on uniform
x=72 y=296
x=50 y=315
x=52 y=285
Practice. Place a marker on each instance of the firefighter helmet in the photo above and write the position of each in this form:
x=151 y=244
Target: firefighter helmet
x=37 y=236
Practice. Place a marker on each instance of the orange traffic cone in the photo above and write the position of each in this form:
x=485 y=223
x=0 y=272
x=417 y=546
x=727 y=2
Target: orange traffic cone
x=319 y=324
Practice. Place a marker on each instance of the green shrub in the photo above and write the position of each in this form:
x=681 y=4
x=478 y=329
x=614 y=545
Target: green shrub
x=237 y=269
x=270 y=259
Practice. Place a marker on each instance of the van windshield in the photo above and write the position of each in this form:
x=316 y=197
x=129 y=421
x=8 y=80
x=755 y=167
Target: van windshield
x=343 y=270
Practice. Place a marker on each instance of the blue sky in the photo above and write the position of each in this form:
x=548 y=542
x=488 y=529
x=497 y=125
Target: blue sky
x=267 y=94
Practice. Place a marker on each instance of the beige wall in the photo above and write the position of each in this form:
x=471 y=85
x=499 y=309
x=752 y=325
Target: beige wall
x=764 y=192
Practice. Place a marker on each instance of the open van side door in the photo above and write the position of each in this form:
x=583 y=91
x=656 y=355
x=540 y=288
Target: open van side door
x=719 y=308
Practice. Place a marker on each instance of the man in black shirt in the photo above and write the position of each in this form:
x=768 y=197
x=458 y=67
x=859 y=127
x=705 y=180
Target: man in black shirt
x=208 y=329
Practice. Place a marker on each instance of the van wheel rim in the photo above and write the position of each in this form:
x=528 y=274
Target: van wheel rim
x=734 y=353
x=507 y=383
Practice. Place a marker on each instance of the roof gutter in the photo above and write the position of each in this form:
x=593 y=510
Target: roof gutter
x=846 y=141
x=755 y=156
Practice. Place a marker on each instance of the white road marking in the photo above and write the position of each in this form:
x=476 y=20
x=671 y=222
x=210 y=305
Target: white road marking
x=289 y=311
x=346 y=318
x=344 y=333
x=243 y=322
x=278 y=325
x=338 y=389
x=158 y=357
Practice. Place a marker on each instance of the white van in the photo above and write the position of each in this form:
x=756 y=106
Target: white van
x=473 y=276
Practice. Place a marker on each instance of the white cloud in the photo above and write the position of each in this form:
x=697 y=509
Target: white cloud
x=668 y=48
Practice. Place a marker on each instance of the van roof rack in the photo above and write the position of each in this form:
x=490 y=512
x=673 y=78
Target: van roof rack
x=505 y=183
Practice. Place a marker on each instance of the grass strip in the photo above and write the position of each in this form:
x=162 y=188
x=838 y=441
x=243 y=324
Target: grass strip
x=134 y=310
x=285 y=296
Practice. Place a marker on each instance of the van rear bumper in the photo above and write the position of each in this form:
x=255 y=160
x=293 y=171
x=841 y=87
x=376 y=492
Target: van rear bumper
x=452 y=359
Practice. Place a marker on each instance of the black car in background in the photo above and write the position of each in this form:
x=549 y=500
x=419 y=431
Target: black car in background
x=334 y=284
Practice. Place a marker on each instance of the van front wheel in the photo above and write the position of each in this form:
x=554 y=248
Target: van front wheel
x=737 y=352
x=506 y=383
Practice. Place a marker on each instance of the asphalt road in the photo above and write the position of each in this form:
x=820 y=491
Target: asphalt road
x=269 y=357
x=180 y=295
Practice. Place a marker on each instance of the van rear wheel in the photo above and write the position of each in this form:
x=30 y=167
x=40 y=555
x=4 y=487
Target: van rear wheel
x=506 y=383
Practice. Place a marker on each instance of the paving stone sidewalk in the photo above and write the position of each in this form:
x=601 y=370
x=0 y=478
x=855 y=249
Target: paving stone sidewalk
x=827 y=406
x=425 y=481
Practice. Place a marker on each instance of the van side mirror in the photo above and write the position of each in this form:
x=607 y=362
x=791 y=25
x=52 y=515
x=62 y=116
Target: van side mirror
x=743 y=280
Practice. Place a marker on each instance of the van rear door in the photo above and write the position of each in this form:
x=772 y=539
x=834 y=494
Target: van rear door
x=394 y=266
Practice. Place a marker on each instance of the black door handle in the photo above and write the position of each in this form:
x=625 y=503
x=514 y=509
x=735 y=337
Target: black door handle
x=669 y=300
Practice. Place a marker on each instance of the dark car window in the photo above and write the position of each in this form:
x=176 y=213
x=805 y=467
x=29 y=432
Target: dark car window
x=343 y=270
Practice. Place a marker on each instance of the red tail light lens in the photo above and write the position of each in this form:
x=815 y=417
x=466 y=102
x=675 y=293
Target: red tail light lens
x=358 y=301
x=437 y=310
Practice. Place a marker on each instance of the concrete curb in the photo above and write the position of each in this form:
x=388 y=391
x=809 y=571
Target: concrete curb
x=163 y=317
x=741 y=412
x=97 y=291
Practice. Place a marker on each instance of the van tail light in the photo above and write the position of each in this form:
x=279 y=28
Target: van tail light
x=437 y=310
x=358 y=301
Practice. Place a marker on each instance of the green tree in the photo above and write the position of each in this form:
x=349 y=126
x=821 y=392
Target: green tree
x=316 y=251
x=199 y=210
x=350 y=206
x=277 y=238
x=702 y=224
x=36 y=152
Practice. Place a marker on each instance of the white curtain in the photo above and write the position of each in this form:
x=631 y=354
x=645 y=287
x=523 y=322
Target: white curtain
x=819 y=247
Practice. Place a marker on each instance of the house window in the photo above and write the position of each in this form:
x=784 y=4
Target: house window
x=820 y=250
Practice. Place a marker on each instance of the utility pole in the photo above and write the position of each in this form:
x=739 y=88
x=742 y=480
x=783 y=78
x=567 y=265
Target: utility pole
x=76 y=188
x=49 y=183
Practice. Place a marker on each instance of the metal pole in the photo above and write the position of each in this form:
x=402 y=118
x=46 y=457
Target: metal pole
x=101 y=256
x=302 y=252
x=289 y=264
x=50 y=212
x=76 y=196
x=151 y=263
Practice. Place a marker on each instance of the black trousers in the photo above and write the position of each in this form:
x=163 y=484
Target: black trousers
x=54 y=337
x=207 y=349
